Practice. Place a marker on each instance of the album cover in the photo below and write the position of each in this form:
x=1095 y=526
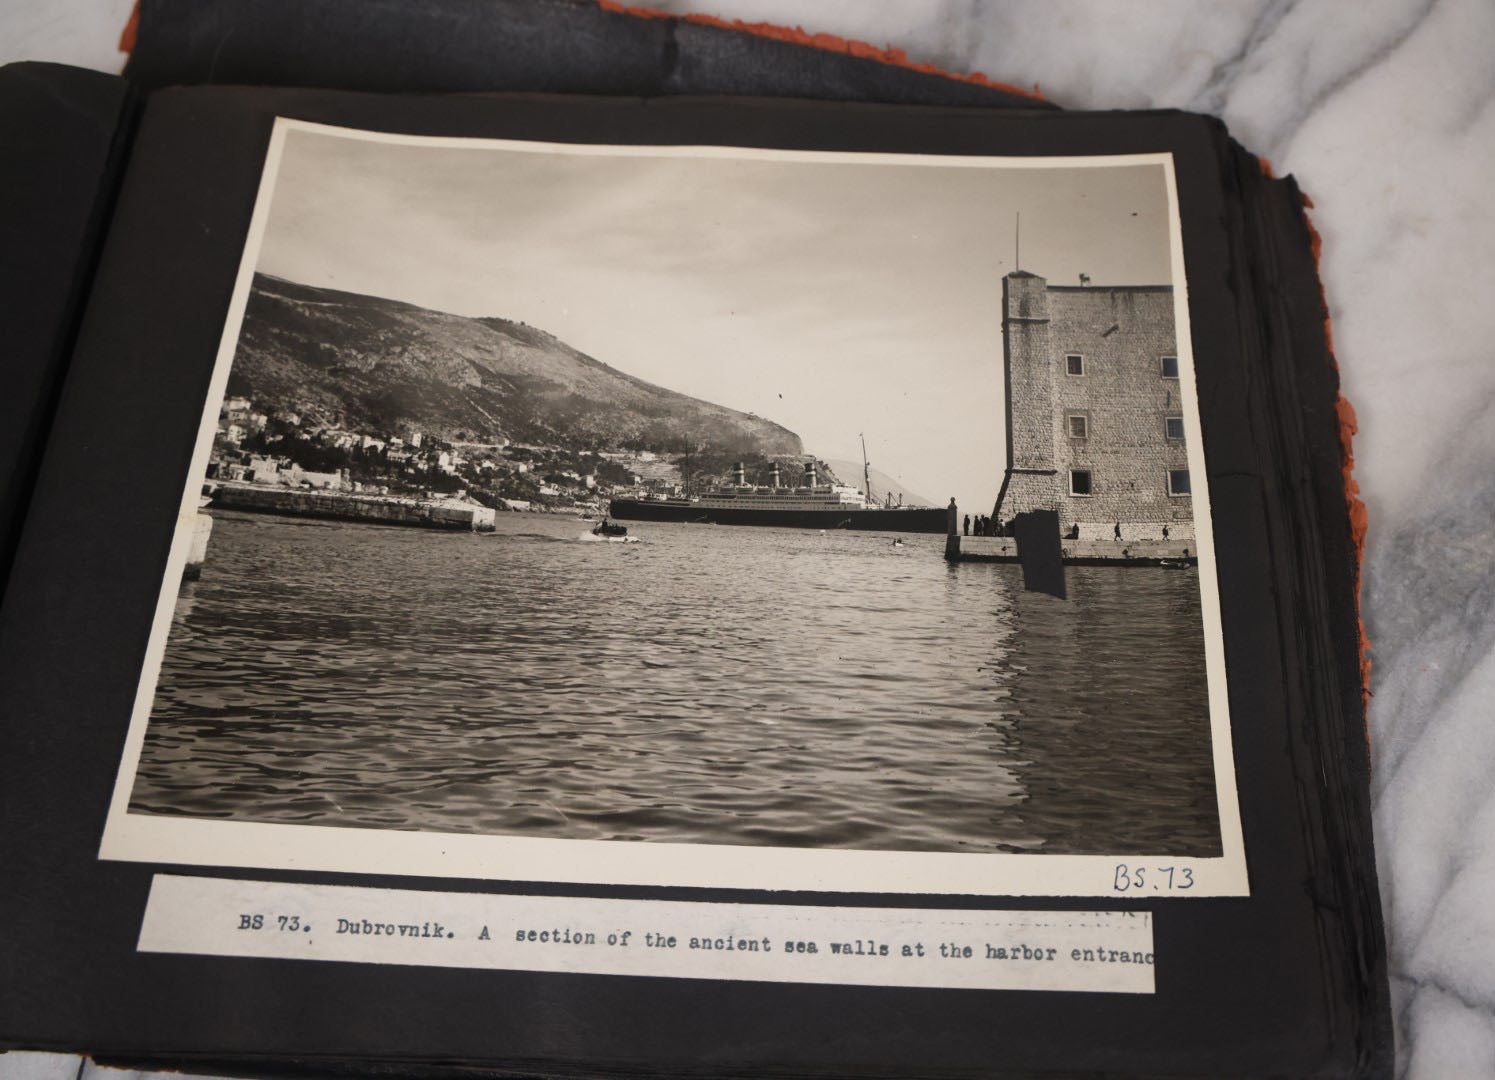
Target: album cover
x=582 y=585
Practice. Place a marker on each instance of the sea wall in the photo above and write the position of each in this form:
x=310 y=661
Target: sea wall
x=1136 y=530
x=338 y=506
x=1076 y=552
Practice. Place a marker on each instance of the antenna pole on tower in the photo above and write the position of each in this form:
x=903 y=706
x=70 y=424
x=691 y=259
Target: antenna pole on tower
x=1017 y=243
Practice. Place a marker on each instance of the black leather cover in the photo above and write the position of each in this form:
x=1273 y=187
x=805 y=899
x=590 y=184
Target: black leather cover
x=555 y=46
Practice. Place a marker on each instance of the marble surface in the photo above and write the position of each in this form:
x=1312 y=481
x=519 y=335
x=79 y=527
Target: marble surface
x=1383 y=111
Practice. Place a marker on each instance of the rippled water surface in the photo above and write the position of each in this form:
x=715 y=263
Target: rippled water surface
x=708 y=684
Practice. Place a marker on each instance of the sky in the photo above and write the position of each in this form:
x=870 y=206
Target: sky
x=838 y=296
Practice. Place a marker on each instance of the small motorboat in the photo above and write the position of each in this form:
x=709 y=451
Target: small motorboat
x=607 y=528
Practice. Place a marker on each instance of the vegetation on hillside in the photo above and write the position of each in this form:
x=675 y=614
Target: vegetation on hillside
x=377 y=364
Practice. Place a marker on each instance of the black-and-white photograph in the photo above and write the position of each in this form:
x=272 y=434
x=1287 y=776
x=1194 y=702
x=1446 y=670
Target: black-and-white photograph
x=725 y=506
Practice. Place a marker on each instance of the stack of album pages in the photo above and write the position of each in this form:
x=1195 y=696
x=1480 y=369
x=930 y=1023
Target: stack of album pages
x=763 y=562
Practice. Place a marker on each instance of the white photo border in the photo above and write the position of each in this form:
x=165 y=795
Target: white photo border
x=150 y=838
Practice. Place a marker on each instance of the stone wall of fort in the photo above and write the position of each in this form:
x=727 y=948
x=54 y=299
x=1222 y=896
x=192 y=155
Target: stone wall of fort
x=1029 y=482
x=1104 y=415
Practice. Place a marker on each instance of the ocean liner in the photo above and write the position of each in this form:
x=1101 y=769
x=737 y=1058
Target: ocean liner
x=810 y=505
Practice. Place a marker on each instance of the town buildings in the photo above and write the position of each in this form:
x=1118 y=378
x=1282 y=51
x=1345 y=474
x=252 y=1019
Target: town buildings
x=309 y=450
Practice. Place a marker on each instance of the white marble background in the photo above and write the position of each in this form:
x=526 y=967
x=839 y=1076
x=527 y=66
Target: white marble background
x=1383 y=111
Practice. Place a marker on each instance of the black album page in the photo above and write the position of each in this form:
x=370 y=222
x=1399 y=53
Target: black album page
x=547 y=582
x=63 y=132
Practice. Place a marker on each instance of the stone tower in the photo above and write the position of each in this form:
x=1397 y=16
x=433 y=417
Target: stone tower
x=1095 y=413
x=1030 y=480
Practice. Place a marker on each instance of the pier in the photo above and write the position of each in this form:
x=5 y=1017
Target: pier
x=449 y=514
x=1121 y=544
x=1003 y=549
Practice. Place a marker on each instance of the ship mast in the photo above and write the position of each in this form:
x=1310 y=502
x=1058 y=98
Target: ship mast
x=866 y=470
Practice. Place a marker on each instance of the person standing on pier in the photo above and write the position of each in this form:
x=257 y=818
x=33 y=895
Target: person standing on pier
x=968 y=525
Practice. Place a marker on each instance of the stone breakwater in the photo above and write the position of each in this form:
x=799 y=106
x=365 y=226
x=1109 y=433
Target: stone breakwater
x=341 y=506
x=1003 y=549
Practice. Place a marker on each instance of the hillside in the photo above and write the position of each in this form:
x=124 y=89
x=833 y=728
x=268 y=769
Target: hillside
x=851 y=473
x=379 y=364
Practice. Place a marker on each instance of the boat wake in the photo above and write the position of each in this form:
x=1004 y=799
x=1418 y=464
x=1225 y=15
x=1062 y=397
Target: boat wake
x=591 y=538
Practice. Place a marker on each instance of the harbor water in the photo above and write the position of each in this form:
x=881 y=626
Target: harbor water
x=706 y=684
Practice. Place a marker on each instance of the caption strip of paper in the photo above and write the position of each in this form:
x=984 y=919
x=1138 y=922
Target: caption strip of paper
x=1099 y=951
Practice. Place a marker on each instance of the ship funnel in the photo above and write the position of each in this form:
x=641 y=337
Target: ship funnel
x=809 y=480
x=739 y=474
x=773 y=475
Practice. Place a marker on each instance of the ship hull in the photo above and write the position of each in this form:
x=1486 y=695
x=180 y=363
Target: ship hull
x=919 y=520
